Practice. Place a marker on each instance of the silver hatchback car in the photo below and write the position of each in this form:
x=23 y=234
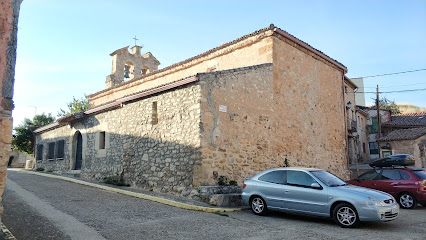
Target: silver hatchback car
x=317 y=192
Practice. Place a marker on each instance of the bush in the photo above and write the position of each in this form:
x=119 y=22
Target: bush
x=222 y=181
x=233 y=183
x=40 y=169
x=115 y=181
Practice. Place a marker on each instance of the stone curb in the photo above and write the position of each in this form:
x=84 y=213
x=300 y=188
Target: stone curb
x=7 y=235
x=138 y=195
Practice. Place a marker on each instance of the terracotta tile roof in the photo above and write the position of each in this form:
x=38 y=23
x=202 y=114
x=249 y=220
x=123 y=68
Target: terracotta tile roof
x=404 y=134
x=409 y=120
x=414 y=114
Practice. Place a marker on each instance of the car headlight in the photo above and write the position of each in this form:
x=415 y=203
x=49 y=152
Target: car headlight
x=375 y=202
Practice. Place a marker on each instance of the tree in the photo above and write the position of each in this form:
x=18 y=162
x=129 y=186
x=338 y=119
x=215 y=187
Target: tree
x=75 y=106
x=386 y=104
x=23 y=139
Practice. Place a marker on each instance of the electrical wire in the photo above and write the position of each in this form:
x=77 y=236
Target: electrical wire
x=387 y=74
x=400 y=85
x=410 y=90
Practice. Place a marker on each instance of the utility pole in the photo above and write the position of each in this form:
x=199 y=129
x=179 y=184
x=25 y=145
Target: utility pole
x=379 y=120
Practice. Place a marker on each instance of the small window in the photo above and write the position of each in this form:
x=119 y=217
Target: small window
x=386 y=153
x=374 y=148
x=51 y=151
x=371 y=175
x=102 y=140
x=61 y=146
x=420 y=174
x=391 y=175
x=404 y=175
x=363 y=148
x=273 y=177
x=374 y=125
x=299 y=179
x=144 y=71
x=39 y=151
x=154 y=119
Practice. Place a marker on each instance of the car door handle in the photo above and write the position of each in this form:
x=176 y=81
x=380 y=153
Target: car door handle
x=286 y=191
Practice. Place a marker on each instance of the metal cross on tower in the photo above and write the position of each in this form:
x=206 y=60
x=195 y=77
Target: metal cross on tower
x=135 y=39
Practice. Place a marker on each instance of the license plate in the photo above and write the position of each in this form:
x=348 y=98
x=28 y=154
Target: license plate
x=394 y=210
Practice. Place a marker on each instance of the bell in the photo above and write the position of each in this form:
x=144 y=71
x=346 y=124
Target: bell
x=126 y=74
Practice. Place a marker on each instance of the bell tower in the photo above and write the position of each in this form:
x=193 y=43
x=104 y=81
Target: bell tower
x=127 y=66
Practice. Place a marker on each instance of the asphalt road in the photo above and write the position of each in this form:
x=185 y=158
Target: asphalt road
x=38 y=207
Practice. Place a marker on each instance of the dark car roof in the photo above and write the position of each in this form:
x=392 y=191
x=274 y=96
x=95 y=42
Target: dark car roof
x=401 y=168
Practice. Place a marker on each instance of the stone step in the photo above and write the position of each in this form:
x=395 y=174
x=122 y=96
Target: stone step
x=226 y=200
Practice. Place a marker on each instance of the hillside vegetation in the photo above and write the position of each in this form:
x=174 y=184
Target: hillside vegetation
x=409 y=108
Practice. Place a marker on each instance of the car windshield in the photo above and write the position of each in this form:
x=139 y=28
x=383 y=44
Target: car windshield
x=420 y=174
x=328 y=178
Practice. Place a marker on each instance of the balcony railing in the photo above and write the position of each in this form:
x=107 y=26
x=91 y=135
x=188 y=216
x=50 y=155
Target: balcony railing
x=352 y=126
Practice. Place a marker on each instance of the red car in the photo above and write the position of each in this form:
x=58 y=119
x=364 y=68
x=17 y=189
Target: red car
x=407 y=185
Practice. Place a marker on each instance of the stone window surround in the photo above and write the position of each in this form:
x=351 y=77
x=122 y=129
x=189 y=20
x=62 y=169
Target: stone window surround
x=58 y=142
x=39 y=154
x=99 y=151
x=51 y=151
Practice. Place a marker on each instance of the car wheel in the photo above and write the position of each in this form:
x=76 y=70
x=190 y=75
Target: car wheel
x=407 y=200
x=258 y=205
x=345 y=215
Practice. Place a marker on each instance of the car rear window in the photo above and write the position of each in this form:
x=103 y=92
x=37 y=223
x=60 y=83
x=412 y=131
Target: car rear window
x=420 y=174
x=273 y=177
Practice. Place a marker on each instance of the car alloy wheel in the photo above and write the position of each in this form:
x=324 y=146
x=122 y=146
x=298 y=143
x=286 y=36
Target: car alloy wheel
x=258 y=206
x=406 y=200
x=345 y=215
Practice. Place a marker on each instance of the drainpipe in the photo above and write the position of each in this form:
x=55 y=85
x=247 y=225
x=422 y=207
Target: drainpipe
x=345 y=121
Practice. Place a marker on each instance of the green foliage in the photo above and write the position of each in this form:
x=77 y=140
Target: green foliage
x=386 y=104
x=286 y=163
x=233 y=183
x=40 y=169
x=222 y=180
x=410 y=108
x=75 y=106
x=23 y=139
x=115 y=180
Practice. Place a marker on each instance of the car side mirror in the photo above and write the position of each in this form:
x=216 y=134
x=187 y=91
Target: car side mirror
x=316 y=186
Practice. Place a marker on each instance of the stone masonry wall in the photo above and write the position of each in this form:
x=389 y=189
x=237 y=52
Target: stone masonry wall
x=236 y=117
x=9 y=13
x=415 y=147
x=309 y=108
x=157 y=156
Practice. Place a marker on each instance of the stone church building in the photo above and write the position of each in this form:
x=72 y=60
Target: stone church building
x=235 y=110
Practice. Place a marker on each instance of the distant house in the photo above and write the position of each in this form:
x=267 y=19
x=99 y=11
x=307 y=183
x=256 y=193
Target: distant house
x=373 y=129
x=362 y=134
x=405 y=133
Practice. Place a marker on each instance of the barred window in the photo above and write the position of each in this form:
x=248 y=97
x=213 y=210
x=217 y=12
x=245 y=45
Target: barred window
x=39 y=152
x=51 y=150
x=60 y=149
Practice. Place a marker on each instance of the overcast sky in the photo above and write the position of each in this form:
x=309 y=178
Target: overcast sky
x=64 y=46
